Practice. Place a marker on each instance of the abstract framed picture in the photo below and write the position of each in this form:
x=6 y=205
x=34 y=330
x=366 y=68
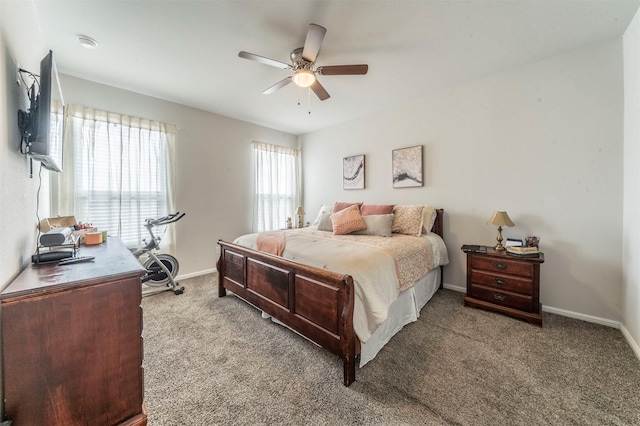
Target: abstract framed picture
x=406 y=164
x=353 y=172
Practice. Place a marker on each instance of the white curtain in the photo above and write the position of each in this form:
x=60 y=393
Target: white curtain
x=118 y=171
x=276 y=186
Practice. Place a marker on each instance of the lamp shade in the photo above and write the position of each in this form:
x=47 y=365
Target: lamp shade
x=304 y=78
x=500 y=219
x=299 y=211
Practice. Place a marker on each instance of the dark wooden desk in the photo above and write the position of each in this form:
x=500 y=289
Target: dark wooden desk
x=71 y=341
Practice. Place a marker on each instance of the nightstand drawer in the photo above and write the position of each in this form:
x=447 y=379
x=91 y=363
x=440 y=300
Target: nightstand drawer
x=505 y=266
x=503 y=282
x=502 y=298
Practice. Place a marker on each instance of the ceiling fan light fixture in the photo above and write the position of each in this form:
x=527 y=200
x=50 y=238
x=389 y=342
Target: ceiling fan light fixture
x=303 y=60
x=304 y=78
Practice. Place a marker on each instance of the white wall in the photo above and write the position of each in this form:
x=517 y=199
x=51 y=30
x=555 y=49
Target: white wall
x=18 y=193
x=543 y=142
x=213 y=166
x=213 y=157
x=631 y=210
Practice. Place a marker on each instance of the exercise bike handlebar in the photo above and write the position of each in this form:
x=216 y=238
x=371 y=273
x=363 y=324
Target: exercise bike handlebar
x=170 y=218
x=150 y=223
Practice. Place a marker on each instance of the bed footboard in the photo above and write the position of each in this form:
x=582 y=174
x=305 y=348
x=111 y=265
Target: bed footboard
x=314 y=302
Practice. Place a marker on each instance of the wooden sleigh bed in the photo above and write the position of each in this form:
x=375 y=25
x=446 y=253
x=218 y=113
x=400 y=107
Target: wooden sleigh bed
x=315 y=302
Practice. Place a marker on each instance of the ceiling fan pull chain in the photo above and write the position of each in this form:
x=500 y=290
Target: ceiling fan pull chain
x=309 y=99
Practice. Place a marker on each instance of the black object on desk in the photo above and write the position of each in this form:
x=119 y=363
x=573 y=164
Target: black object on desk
x=51 y=256
x=474 y=248
x=77 y=259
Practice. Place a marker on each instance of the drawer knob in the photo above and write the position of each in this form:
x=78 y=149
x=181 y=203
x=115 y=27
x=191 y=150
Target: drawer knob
x=500 y=266
x=499 y=297
x=499 y=281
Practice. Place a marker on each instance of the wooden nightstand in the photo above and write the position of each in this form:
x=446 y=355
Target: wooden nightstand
x=504 y=283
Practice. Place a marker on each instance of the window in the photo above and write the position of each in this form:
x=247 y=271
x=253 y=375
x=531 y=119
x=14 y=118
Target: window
x=276 y=185
x=121 y=174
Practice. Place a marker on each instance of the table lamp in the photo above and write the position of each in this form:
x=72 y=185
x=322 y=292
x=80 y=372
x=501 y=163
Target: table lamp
x=500 y=219
x=300 y=214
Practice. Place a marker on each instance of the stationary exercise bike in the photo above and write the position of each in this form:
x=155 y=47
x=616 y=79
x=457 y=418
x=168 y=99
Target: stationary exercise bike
x=161 y=268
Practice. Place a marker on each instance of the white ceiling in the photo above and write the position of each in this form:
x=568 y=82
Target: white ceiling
x=187 y=51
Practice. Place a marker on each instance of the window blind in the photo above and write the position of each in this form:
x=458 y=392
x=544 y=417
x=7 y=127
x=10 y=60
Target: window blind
x=122 y=171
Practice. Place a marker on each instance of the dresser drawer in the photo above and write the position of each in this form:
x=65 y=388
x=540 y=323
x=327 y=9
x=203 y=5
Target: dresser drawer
x=504 y=266
x=504 y=282
x=502 y=298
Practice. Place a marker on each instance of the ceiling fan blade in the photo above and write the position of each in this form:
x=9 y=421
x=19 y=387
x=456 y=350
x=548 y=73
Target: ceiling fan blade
x=277 y=86
x=263 y=60
x=319 y=90
x=315 y=35
x=344 y=69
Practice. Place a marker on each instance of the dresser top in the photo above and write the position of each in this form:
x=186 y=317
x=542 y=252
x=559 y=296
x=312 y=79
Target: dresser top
x=112 y=259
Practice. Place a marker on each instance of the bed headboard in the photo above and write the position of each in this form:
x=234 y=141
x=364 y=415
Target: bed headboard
x=438 y=225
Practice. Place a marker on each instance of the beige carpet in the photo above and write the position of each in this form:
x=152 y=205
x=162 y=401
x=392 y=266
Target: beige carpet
x=211 y=360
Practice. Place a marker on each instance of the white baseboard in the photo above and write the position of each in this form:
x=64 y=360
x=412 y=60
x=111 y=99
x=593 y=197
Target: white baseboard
x=455 y=288
x=634 y=346
x=582 y=317
x=562 y=312
x=196 y=274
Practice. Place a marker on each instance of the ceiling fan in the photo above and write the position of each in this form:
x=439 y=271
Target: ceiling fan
x=303 y=61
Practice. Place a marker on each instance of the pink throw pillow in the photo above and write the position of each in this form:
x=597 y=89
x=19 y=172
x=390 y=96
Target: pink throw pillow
x=341 y=206
x=347 y=221
x=376 y=209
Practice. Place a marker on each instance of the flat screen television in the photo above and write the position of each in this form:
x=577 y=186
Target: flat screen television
x=47 y=144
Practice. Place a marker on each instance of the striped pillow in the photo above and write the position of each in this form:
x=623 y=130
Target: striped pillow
x=429 y=215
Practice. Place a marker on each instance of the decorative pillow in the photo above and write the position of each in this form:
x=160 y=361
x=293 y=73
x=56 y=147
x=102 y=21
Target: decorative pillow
x=324 y=223
x=407 y=220
x=429 y=215
x=371 y=209
x=341 y=206
x=379 y=225
x=347 y=221
x=323 y=209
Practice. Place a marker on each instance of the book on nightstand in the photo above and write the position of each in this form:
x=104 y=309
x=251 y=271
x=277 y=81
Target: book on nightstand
x=523 y=251
x=513 y=242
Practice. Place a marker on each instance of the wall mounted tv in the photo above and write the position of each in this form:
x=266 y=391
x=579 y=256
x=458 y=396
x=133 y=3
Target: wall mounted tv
x=48 y=123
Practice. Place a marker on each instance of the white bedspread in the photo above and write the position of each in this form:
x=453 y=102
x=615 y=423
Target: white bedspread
x=380 y=269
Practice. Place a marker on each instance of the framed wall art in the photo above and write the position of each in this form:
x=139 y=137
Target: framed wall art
x=407 y=167
x=353 y=172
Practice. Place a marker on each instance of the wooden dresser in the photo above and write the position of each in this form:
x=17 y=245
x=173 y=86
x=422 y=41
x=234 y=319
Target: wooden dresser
x=505 y=283
x=72 y=343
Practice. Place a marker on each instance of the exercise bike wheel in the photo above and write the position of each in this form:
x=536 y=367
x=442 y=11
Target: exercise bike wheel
x=160 y=277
